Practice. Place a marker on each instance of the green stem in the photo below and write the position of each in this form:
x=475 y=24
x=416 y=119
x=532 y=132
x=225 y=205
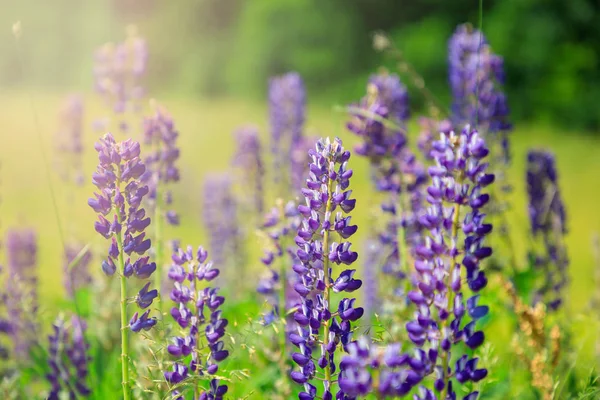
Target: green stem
x=326 y=295
x=445 y=358
x=124 y=323
x=158 y=245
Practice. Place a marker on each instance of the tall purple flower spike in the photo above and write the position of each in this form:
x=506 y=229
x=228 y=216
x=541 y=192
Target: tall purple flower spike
x=280 y=225
x=119 y=71
x=321 y=328
x=198 y=315
x=68 y=359
x=380 y=121
x=69 y=140
x=121 y=218
x=548 y=224
x=22 y=290
x=249 y=160
x=287 y=104
x=160 y=135
x=476 y=77
x=456 y=197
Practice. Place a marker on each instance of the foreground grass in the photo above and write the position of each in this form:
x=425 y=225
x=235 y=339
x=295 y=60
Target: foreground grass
x=207 y=145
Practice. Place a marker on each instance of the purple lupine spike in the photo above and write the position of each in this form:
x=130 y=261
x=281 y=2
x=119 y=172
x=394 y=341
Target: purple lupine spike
x=122 y=218
x=429 y=132
x=69 y=138
x=160 y=135
x=248 y=159
x=384 y=371
x=456 y=197
x=77 y=275
x=299 y=161
x=476 y=76
x=68 y=359
x=119 y=71
x=322 y=328
x=22 y=290
x=198 y=314
x=287 y=104
x=280 y=226
x=220 y=215
x=372 y=261
x=380 y=120
x=547 y=218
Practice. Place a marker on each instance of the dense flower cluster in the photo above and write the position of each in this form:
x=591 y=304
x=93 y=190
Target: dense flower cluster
x=68 y=359
x=22 y=290
x=119 y=70
x=160 y=135
x=322 y=329
x=547 y=217
x=120 y=196
x=248 y=159
x=457 y=181
x=194 y=302
x=476 y=75
x=385 y=371
x=287 y=103
x=280 y=226
x=69 y=140
x=429 y=132
x=76 y=268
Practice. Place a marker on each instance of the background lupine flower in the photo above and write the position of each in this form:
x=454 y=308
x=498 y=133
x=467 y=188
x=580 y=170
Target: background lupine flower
x=320 y=328
x=371 y=262
x=220 y=215
x=280 y=227
x=77 y=275
x=198 y=315
x=122 y=220
x=380 y=120
x=119 y=70
x=5 y=326
x=160 y=137
x=69 y=137
x=547 y=218
x=68 y=359
x=383 y=371
x=456 y=198
x=476 y=75
x=249 y=160
x=287 y=104
x=22 y=290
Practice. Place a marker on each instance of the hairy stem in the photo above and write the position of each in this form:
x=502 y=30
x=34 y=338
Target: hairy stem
x=326 y=277
x=124 y=323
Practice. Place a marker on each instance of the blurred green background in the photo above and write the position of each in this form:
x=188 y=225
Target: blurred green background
x=230 y=47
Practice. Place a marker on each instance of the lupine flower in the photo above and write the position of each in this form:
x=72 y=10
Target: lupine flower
x=280 y=226
x=220 y=214
x=68 y=359
x=69 y=140
x=384 y=371
x=380 y=120
x=430 y=130
x=198 y=315
x=287 y=103
x=22 y=290
x=160 y=135
x=121 y=218
x=5 y=326
x=456 y=198
x=299 y=161
x=548 y=224
x=476 y=76
x=248 y=159
x=77 y=275
x=322 y=329
x=119 y=70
